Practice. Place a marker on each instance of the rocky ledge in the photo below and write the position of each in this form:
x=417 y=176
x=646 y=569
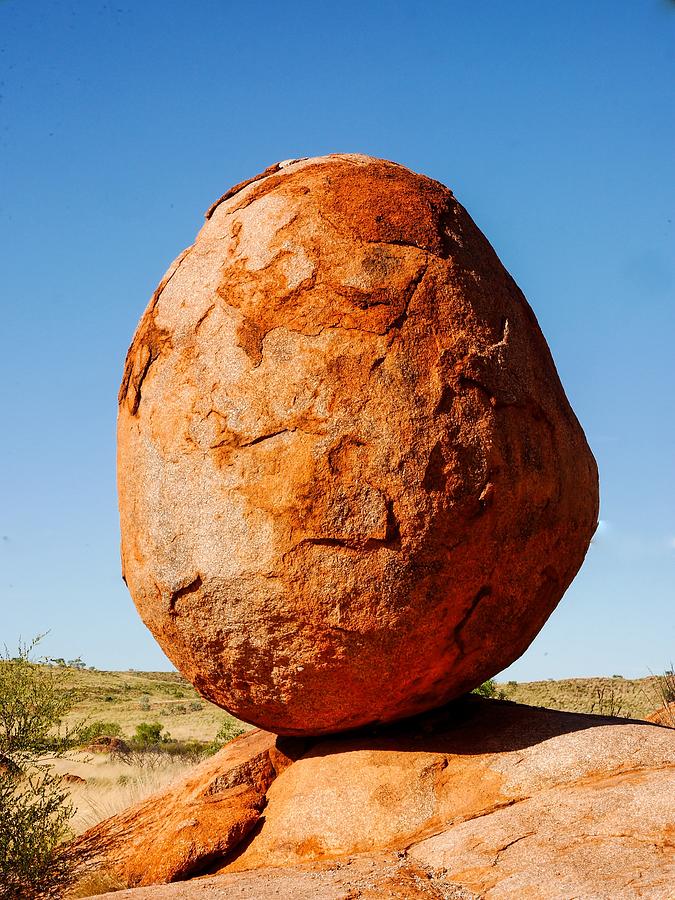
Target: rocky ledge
x=481 y=798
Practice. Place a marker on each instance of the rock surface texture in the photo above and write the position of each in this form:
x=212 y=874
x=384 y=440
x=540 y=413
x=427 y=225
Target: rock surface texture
x=351 y=486
x=478 y=799
x=202 y=817
x=664 y=715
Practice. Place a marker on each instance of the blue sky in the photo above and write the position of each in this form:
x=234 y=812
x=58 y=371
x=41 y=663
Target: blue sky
x=120 y=123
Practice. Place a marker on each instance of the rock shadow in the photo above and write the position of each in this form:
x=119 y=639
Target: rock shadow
x=468 y=726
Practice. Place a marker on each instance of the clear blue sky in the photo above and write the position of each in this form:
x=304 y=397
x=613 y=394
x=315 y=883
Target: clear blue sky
x=119 y=124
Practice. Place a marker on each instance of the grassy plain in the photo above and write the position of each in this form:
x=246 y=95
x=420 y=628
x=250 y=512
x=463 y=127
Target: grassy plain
x=129 y=698
x=631 y=698
x=110 y=784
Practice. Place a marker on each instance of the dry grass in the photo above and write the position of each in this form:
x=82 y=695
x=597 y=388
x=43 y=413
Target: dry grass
x=666 y=691
x=631 y=698
x=129 y=698
x=112 y=785
x=96 y=883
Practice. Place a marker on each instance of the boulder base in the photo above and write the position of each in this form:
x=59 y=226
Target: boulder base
x=480 y=799
x=351 y=486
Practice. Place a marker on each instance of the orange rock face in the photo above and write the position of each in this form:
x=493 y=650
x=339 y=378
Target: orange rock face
x=351 y=486
x=664 y=715
x=480 y=799
x=173 y=834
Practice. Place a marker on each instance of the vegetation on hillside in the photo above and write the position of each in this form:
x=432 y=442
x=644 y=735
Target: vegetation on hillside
x=615 y=696
x=128 y=699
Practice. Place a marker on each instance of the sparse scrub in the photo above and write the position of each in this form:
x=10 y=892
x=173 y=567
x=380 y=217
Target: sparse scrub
x=35 y=812
x=168 y=695
x=635 y=697
x=606 y=702
x=34 y=803
x=666 y=686
x=665 y=689
x=228 y=731
x=149 y=746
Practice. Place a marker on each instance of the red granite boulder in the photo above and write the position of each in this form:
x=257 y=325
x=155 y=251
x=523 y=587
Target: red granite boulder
x=351 y=485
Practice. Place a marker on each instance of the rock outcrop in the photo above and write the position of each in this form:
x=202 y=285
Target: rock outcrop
x=351 y=486
x=200 y=818
x=479 y=799
x=664 y=715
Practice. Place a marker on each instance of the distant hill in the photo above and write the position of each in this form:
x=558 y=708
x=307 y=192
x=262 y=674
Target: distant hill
x=129 y=698
x=632 y=698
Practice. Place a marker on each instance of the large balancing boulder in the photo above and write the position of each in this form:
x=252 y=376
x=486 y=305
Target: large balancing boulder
x=351 y=485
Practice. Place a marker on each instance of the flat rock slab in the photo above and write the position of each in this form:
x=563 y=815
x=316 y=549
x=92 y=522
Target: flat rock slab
x=499 y=799
x=386 y=875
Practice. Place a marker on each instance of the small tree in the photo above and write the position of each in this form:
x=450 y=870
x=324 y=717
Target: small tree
x=148 y=734
x=90 y=731
x=34 y=813
x=34 y=699
x=34 y=806
x=230 y=729
x=489 y=689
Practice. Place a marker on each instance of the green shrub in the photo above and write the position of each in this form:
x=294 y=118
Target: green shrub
x=34 y=815
x=88 y=733
x=230 y=729
x=34 y=806
x=148 y=734
x=34 y=699
x=190 y=750
x=489 y=689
